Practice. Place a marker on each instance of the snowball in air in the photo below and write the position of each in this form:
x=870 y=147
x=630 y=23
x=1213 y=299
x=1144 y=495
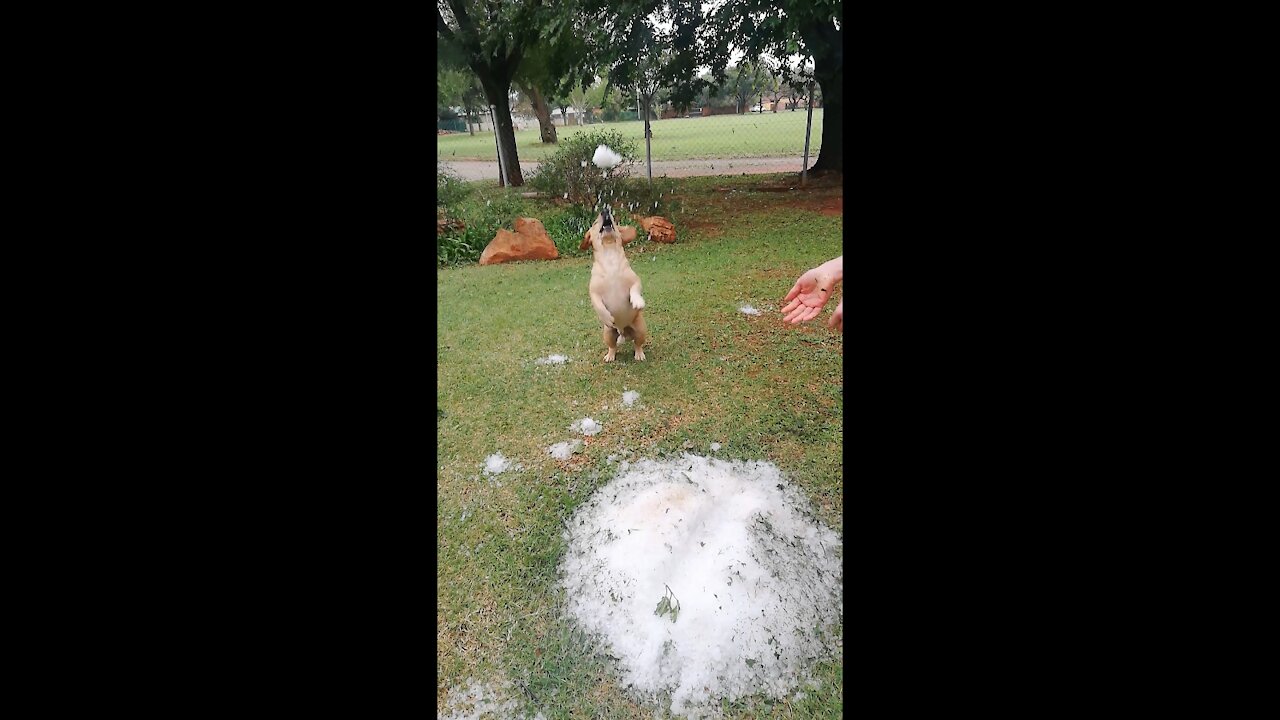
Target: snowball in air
x=606 y=158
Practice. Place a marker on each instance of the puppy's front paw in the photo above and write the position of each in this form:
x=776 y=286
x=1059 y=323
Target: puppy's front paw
x=637 y=302
x=639 y=354
x=608 y=357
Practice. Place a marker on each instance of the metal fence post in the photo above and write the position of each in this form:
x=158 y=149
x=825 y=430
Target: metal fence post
x=808 y=126
x=648 y=134
x=502 y=172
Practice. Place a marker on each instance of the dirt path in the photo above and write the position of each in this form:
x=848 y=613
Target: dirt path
x=488 y=170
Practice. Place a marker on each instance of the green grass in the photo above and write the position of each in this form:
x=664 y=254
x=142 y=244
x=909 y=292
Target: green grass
x=717 y=136
x=763 y=390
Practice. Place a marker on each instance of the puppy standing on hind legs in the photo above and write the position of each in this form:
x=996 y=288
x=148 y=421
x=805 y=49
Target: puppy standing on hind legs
x=615 y=287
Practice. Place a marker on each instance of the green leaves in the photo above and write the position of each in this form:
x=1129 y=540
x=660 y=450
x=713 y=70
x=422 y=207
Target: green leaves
x=668 y=604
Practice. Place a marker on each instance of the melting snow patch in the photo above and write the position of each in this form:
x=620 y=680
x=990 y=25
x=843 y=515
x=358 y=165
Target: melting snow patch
x=562 y=450
x=552 y=360
x=586 y=426
x=715 y=446
x=748 y=310
x=482 y=701
x=707 y=579
x=495 y=464
x=629 y=397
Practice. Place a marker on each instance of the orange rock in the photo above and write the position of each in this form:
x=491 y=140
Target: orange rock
x=659 y=228
x=528 y=242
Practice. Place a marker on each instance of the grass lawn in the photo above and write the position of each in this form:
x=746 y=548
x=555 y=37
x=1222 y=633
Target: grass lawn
x=713 y=374
x=718 y=136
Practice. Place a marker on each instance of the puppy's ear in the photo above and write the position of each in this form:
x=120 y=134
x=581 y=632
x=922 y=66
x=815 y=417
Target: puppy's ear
x=586 y=241
x=628 y=233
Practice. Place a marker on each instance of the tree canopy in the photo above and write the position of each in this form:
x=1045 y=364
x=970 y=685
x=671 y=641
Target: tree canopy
x=646 y=45
x=661 y=43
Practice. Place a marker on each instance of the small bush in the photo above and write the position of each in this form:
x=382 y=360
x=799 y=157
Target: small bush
x=567 y=227
x=571 y=171
x=484 y=214
x=450 y=189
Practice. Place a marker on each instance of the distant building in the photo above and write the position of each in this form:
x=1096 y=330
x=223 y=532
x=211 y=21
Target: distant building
x=521 y=122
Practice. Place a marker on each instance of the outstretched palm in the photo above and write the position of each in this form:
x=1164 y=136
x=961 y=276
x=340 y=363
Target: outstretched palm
x=808 y=295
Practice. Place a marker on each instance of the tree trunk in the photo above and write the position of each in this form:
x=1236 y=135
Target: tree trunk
x=495 y=91
x=828 y=70
x=831 y=156
x=546 y=127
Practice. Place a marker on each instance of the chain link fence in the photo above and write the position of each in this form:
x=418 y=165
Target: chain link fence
x=751 y=136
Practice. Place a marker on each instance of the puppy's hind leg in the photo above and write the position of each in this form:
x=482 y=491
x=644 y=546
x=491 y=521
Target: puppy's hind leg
x=641 y=335
x=610 y=342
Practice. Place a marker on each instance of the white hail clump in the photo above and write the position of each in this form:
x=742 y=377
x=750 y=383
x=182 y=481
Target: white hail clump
x=706 y=579
x=748 y=310
x=586 y=426
x=562 y=450
x=495 y=464
x=629 y=397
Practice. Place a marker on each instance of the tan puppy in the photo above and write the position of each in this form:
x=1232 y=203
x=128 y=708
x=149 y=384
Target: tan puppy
x=615 y=287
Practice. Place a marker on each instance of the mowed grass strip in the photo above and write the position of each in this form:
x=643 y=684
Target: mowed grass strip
x=718 y=136
x=762 y=390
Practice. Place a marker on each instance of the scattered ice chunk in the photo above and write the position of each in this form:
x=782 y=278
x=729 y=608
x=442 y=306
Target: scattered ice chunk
x=552 y=360
x=562 y=450
x=716 y=446
x=484 y=701
x=630 y=397
x=586 y=426
x=748 y=310
x=495 y=464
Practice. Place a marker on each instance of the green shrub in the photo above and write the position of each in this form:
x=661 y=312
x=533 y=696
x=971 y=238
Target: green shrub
x=484 y=213
x=567 y=227
x=450 y=189
x=570 y=170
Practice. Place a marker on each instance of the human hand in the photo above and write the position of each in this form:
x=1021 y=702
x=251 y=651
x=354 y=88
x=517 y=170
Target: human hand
x=837 y=317
x=809 y=294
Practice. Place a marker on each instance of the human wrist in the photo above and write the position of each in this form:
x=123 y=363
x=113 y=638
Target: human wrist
x=834 y=268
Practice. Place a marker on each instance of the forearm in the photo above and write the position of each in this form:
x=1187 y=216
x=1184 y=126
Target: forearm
x=834 y=268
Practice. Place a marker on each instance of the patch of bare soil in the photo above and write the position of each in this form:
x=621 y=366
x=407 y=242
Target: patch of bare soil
x=705 y=228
